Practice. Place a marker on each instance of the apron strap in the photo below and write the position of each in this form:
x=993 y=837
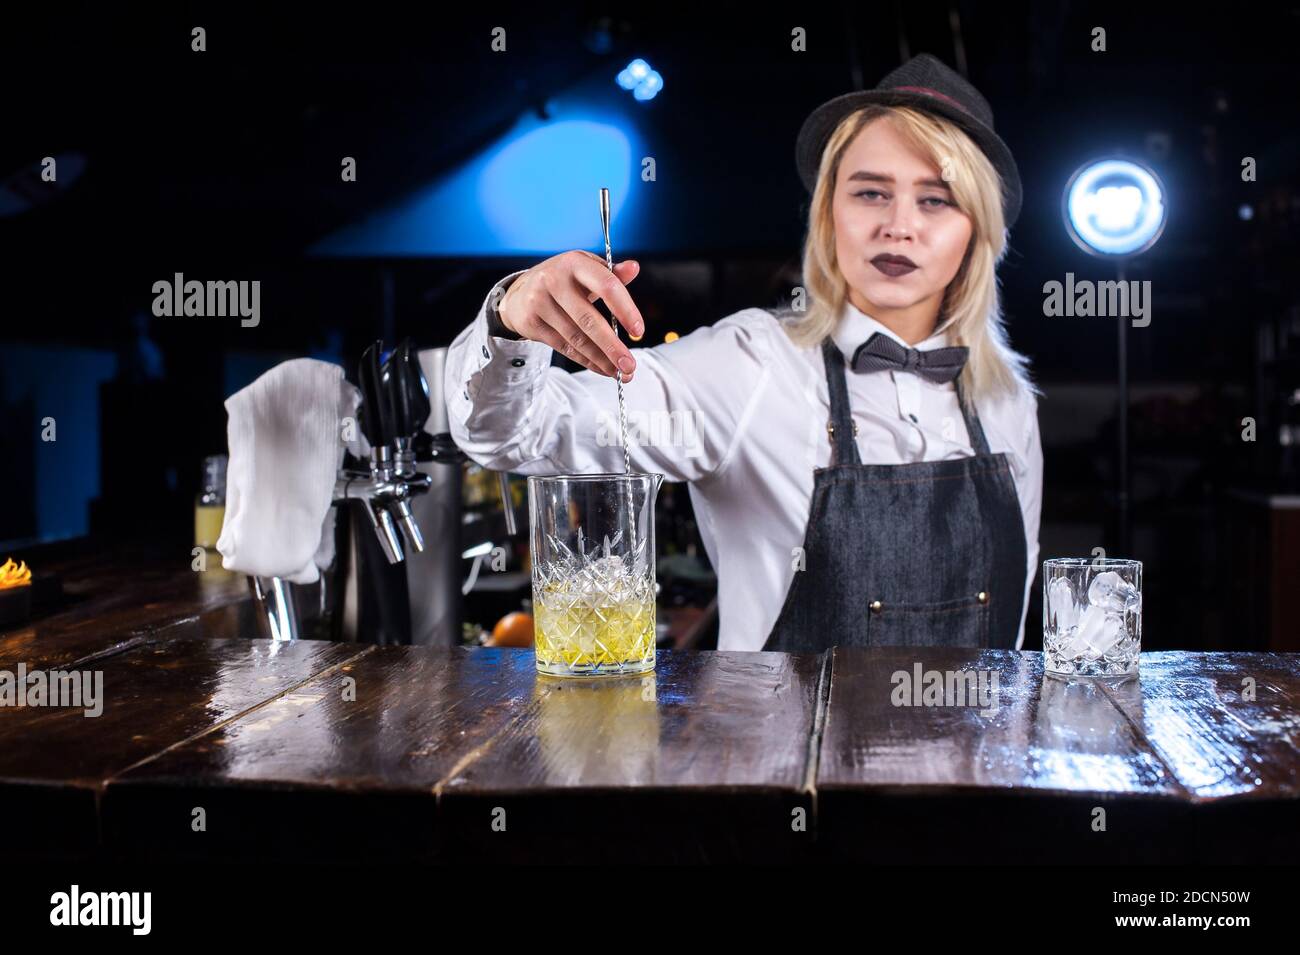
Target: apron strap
x=972 y=418
x=844 y=445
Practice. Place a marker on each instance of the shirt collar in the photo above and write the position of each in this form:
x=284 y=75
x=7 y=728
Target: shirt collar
x=855 y=327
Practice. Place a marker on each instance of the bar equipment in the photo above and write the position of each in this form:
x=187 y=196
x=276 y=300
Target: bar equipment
x=397 y=575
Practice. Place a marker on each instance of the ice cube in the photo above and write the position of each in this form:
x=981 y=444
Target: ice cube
x=608 y=544
x=560 y=549
x=1060 y=604
x=1112 y=592
x=1091 y=633
x=1068 y=644
x=1112 y=631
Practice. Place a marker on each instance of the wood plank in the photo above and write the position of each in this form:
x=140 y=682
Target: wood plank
x=1219 y=744
x=315 y=776
x=1237 y=758
x=38 y=648
x=432 y=738
x=1019 y=781
x=706 y=760
x=1042 y=734
x=53 y=761
x=109 y=607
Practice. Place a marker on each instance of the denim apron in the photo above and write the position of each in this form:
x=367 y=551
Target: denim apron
x=926 y=554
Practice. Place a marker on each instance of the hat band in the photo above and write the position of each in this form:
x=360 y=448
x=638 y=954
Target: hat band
x=929 y=92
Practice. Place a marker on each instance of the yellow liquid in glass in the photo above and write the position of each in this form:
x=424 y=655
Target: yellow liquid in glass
x=573 y=637
x=207 y=524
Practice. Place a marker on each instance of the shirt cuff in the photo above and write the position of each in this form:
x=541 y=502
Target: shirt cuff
x=499 y=363
x=496 y=327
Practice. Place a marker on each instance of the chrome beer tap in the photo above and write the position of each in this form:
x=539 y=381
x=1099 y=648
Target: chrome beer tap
x=394 y=407
x=361 y=597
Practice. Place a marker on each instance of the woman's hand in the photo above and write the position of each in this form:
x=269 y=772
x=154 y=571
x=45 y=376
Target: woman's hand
x=552 y=303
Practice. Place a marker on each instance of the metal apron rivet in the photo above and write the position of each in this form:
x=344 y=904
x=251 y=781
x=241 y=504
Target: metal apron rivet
x=982 y=597
x=830 y=429
x=877 y=606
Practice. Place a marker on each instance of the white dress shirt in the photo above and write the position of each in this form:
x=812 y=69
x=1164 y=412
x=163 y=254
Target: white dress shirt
x=740 y=412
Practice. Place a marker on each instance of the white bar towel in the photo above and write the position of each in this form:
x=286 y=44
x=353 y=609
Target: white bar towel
x=286 y=434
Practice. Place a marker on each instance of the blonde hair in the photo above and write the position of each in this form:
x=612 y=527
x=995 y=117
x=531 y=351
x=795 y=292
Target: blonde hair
x=970 y=310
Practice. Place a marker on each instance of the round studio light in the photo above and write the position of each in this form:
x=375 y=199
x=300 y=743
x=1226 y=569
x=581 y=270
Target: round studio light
x=1114 y=207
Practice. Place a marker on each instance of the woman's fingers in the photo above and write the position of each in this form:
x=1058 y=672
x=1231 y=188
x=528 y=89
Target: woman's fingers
x=588 y=321
x=539 y=331
x=599 y=281
x=575 y=344
x=547 y=335
x=627 y=271
x=557 y=307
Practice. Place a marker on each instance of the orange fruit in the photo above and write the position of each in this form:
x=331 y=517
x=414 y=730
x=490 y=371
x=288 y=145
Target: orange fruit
x=513 y=630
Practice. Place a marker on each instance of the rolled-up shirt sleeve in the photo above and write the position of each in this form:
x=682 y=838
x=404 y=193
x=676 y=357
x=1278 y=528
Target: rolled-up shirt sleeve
x=1029 y=488
x=510 y=409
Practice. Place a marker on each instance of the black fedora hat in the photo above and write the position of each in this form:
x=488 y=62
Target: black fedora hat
x=926 y=83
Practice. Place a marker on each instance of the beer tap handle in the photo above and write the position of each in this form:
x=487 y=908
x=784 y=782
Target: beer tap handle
x=408 y=391
x=377 y=422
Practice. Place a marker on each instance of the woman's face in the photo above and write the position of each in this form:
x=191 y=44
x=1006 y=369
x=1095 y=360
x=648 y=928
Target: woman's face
x=889 y=200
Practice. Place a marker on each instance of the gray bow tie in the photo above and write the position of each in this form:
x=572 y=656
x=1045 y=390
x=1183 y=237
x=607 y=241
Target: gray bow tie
x=880 y=352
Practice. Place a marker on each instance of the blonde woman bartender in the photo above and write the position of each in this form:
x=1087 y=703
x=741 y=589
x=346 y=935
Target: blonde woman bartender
x=865 y=471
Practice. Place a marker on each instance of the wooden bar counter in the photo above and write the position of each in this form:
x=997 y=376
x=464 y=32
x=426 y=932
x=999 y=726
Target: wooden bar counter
x=213 y=746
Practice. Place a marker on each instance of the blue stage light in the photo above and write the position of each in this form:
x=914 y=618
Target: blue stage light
x=649 y=86
x=530 y=194
x=643 y=81
x=535 y=193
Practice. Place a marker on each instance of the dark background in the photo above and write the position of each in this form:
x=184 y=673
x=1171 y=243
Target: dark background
x=225 y=164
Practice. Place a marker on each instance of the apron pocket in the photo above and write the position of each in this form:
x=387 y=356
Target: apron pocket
x=963 y=622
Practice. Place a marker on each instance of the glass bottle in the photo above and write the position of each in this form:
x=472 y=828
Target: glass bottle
x=210 y=506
